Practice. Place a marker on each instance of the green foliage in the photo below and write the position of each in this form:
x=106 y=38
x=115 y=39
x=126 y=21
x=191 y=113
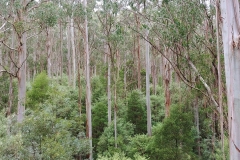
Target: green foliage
x=99 y=120
x=4 y=93
x=38 y=92
x=54 y=131
x=136 y=112
x=50 y=137
x=10 y=144
x=98 y=88
x=106 y=144
x=174 y=138
x=157 y=106
x=47 y=14
x=121 y=156
x=138 y=145
x=19 y=27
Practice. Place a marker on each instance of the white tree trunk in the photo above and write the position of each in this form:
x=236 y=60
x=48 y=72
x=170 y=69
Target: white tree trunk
x=68 y=54
x=73 y=54
x=61 y=49
x=231 y=43
x=88 y=86
x=109 y=85
x=22 y=50
x=149 y=121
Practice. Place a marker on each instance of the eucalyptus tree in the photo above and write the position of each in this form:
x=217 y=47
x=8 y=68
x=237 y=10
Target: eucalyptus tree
x=113 y=36
x=16 y=14
x=230 y=34
x=47 y=18
x=88 y=84
x=184 y=30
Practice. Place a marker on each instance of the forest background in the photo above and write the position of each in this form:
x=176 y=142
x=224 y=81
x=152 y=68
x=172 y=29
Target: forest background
x=114 y=79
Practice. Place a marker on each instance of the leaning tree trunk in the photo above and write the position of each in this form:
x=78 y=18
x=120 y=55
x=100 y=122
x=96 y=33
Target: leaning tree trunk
x=231 y=43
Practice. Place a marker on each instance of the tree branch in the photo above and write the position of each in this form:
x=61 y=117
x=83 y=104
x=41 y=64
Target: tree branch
x=3 y=25
x=36 y=6
x=14 y=49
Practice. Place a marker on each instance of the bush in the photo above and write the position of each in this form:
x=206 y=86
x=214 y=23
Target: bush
x=136 y=112
x=106 y=144
x=121 y=156
x=174 y=138
x=38 y=91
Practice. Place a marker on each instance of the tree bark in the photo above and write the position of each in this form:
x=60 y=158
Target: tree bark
x=231 y=43
x=138 y=48
x=48 y=48
x=22 y=50
x=167 y=78
x=10 y=93
x=196 y=117
x=73 y=54
x=219 y=80
x=109 y=85
x=61 y=48
x=69 y=54
x=149 y=121
x=116 y=77
x=88 y=86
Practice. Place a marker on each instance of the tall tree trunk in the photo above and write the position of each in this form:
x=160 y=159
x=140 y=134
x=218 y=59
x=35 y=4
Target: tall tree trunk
x=116 y=77
x=196 y=117
x=73 y=54
x=69 y=54
x=138 y=48
x=125 y=75
x=48 y=48
x=35 y=59
x=167 y=78
x=88 y=86
x=61 y=49
x=154 y=74
x=109 y=85
x=10 y=93
x=79 y=89
x=231 y=43
x=149 y=121
x=22 y=50
x=219 y=80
